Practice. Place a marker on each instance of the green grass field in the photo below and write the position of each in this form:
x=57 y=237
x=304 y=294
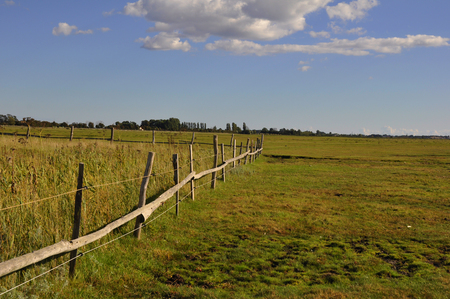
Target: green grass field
x=314 y=217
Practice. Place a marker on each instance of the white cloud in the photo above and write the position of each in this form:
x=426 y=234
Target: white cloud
x=66 y=29
x=163 y=42
x=359 y=47
x=9 y=3
x=234 y=19
x=305 y=68
x=63 y=28
x=352 y=11
x=108 y=13
x=323 y=34
x=388 y=130
x=89 y=31
x=105 y=29
x=358 y=31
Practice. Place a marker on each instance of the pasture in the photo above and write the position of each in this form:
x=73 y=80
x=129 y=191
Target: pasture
x=314 y=217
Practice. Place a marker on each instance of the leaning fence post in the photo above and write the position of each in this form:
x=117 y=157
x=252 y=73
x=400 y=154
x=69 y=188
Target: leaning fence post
x=193 y=137
x=176 y=178
x=112 y=134
x=71 y=133
x=223 y=160
x=77 y=218
x=143 y=191
x=153 y=138
x=234 y=153
x=28 y=132
x=246 y=157
x=216 y=150
x=192 y=170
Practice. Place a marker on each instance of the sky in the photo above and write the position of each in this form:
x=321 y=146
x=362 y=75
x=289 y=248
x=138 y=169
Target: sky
x=348 y=67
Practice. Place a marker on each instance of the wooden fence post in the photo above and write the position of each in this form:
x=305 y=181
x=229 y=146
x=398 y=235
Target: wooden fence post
x=71 y=133
x=234 y=153
x=176 y=178
x=28 y=132
x=262 y=141
x=258 y=144
x=216 y=150
x=143 y=191
x=77 y=218
x=246 y=157
x=153 y=138
x=240 y=153
x=251 y=151
x=192 y=169
x=112 y=134
x=223 y=160
x=193 y=137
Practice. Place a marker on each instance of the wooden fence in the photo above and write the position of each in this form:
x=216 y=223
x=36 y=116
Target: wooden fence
x=141 y=214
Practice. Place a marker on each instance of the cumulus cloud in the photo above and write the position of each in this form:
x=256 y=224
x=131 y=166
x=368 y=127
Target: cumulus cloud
x=64 y=29
x=305 y=68
x=359 y=47
x=323 y=34
x=163 y=42
x=352 y=11
x=262 y=20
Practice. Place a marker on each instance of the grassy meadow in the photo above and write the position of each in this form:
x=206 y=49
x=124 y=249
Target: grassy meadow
x=314 y=217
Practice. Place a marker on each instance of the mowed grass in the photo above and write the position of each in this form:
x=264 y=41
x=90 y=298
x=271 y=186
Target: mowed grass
x=330 y=218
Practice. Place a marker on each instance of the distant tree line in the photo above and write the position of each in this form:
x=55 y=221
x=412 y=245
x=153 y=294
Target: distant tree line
x=171 y=124
x=295 y=132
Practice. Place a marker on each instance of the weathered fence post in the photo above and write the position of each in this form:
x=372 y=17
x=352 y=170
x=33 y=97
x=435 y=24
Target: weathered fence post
x=262 y=141
x=143 y=191
x=71 y=133
x=112 y=134
x=193 y=137
x=77 y=218
x=234 y=153
x=216 y=150
x=240 y=153
x=192 y=169
x=257 y=147
x=176 y=178
x=232 y=138
x=153 y=138
x=246 y=157
x=223 y=160
x=251 y=151
x=28 y=132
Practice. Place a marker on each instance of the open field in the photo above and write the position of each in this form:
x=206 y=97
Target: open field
x=317 y=217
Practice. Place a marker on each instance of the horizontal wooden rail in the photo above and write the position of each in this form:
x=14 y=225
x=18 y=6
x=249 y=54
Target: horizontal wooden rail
x=65 y=246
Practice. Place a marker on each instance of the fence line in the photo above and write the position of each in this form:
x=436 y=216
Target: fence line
x=142 y=213
x=94 y=186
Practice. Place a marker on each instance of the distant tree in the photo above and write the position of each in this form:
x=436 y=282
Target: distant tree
x=264 y=130
x=228 y=127
x=100 y=125
x=91 y=125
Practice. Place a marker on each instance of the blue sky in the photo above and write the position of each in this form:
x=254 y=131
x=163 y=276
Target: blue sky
x=365 y=66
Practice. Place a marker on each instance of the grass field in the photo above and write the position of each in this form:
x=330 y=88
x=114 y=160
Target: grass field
x=318 y=217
